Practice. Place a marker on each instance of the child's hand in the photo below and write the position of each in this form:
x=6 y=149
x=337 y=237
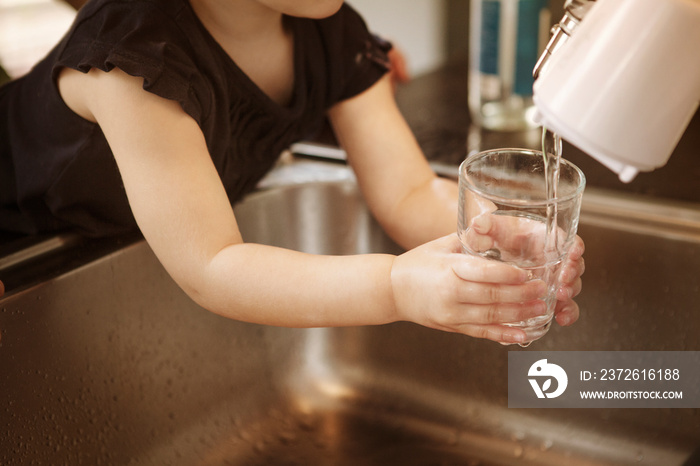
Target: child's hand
x=398 y=67
x=438 y=286
x=494 y=231
x=566 y=311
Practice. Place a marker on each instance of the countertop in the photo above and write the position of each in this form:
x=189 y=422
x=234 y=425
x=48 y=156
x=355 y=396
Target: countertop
x=435 y=106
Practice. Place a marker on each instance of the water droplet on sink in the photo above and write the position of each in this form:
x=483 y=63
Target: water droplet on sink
x=287 y=437
x=453 y=439
x=518 y=451
x=259 y=446
x=307 y=423
x=546 y=445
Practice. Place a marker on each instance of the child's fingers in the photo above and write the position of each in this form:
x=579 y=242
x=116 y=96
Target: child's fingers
x=499 y=313
x=577 y=249
x=498 y=333
x=488 y=293
x=572 y=270
x=566 y=313
x=480 y=270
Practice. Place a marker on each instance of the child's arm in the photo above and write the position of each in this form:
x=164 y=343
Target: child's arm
x=409 y=201
x=181 y=207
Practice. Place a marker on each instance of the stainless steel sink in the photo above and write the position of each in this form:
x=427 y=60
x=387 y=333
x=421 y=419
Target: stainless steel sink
x=108 y=362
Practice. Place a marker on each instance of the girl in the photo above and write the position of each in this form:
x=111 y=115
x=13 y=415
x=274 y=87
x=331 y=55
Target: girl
x=158 y=114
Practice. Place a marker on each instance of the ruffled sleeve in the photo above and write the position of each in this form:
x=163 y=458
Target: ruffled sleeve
x=149 y=45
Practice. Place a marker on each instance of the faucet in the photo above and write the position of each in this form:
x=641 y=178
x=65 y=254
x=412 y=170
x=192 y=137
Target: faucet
x=574 y=11
x=620 y=79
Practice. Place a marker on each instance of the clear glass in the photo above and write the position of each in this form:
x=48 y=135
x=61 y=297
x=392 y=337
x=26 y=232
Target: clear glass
x=506 y=38
x=504 y=213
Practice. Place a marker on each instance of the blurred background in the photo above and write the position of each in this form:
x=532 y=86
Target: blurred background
x=427 y=31
x=433 y=35
x=28 y=30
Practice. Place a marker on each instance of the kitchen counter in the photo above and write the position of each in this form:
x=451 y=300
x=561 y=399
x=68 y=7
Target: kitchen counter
x=435 y=106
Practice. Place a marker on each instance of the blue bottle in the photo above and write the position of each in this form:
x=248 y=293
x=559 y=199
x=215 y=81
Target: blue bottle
x=506 y=39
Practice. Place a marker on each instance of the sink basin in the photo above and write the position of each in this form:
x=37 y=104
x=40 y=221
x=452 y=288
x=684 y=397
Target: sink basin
x=109 y=362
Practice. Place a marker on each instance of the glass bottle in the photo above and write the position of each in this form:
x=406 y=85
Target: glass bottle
x=506 y=38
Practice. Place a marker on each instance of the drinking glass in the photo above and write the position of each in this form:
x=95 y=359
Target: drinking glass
x=508 y=213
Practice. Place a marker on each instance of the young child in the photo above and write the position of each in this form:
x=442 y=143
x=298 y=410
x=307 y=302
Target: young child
x=158 y=114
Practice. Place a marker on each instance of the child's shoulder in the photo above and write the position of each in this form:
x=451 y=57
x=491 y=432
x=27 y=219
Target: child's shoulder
x=129 y=26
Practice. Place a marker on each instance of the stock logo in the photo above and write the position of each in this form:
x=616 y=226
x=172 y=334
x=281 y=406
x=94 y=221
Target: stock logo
x=544 y=371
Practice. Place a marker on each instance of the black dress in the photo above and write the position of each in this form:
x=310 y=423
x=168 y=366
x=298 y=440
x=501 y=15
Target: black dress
x=57 y=170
